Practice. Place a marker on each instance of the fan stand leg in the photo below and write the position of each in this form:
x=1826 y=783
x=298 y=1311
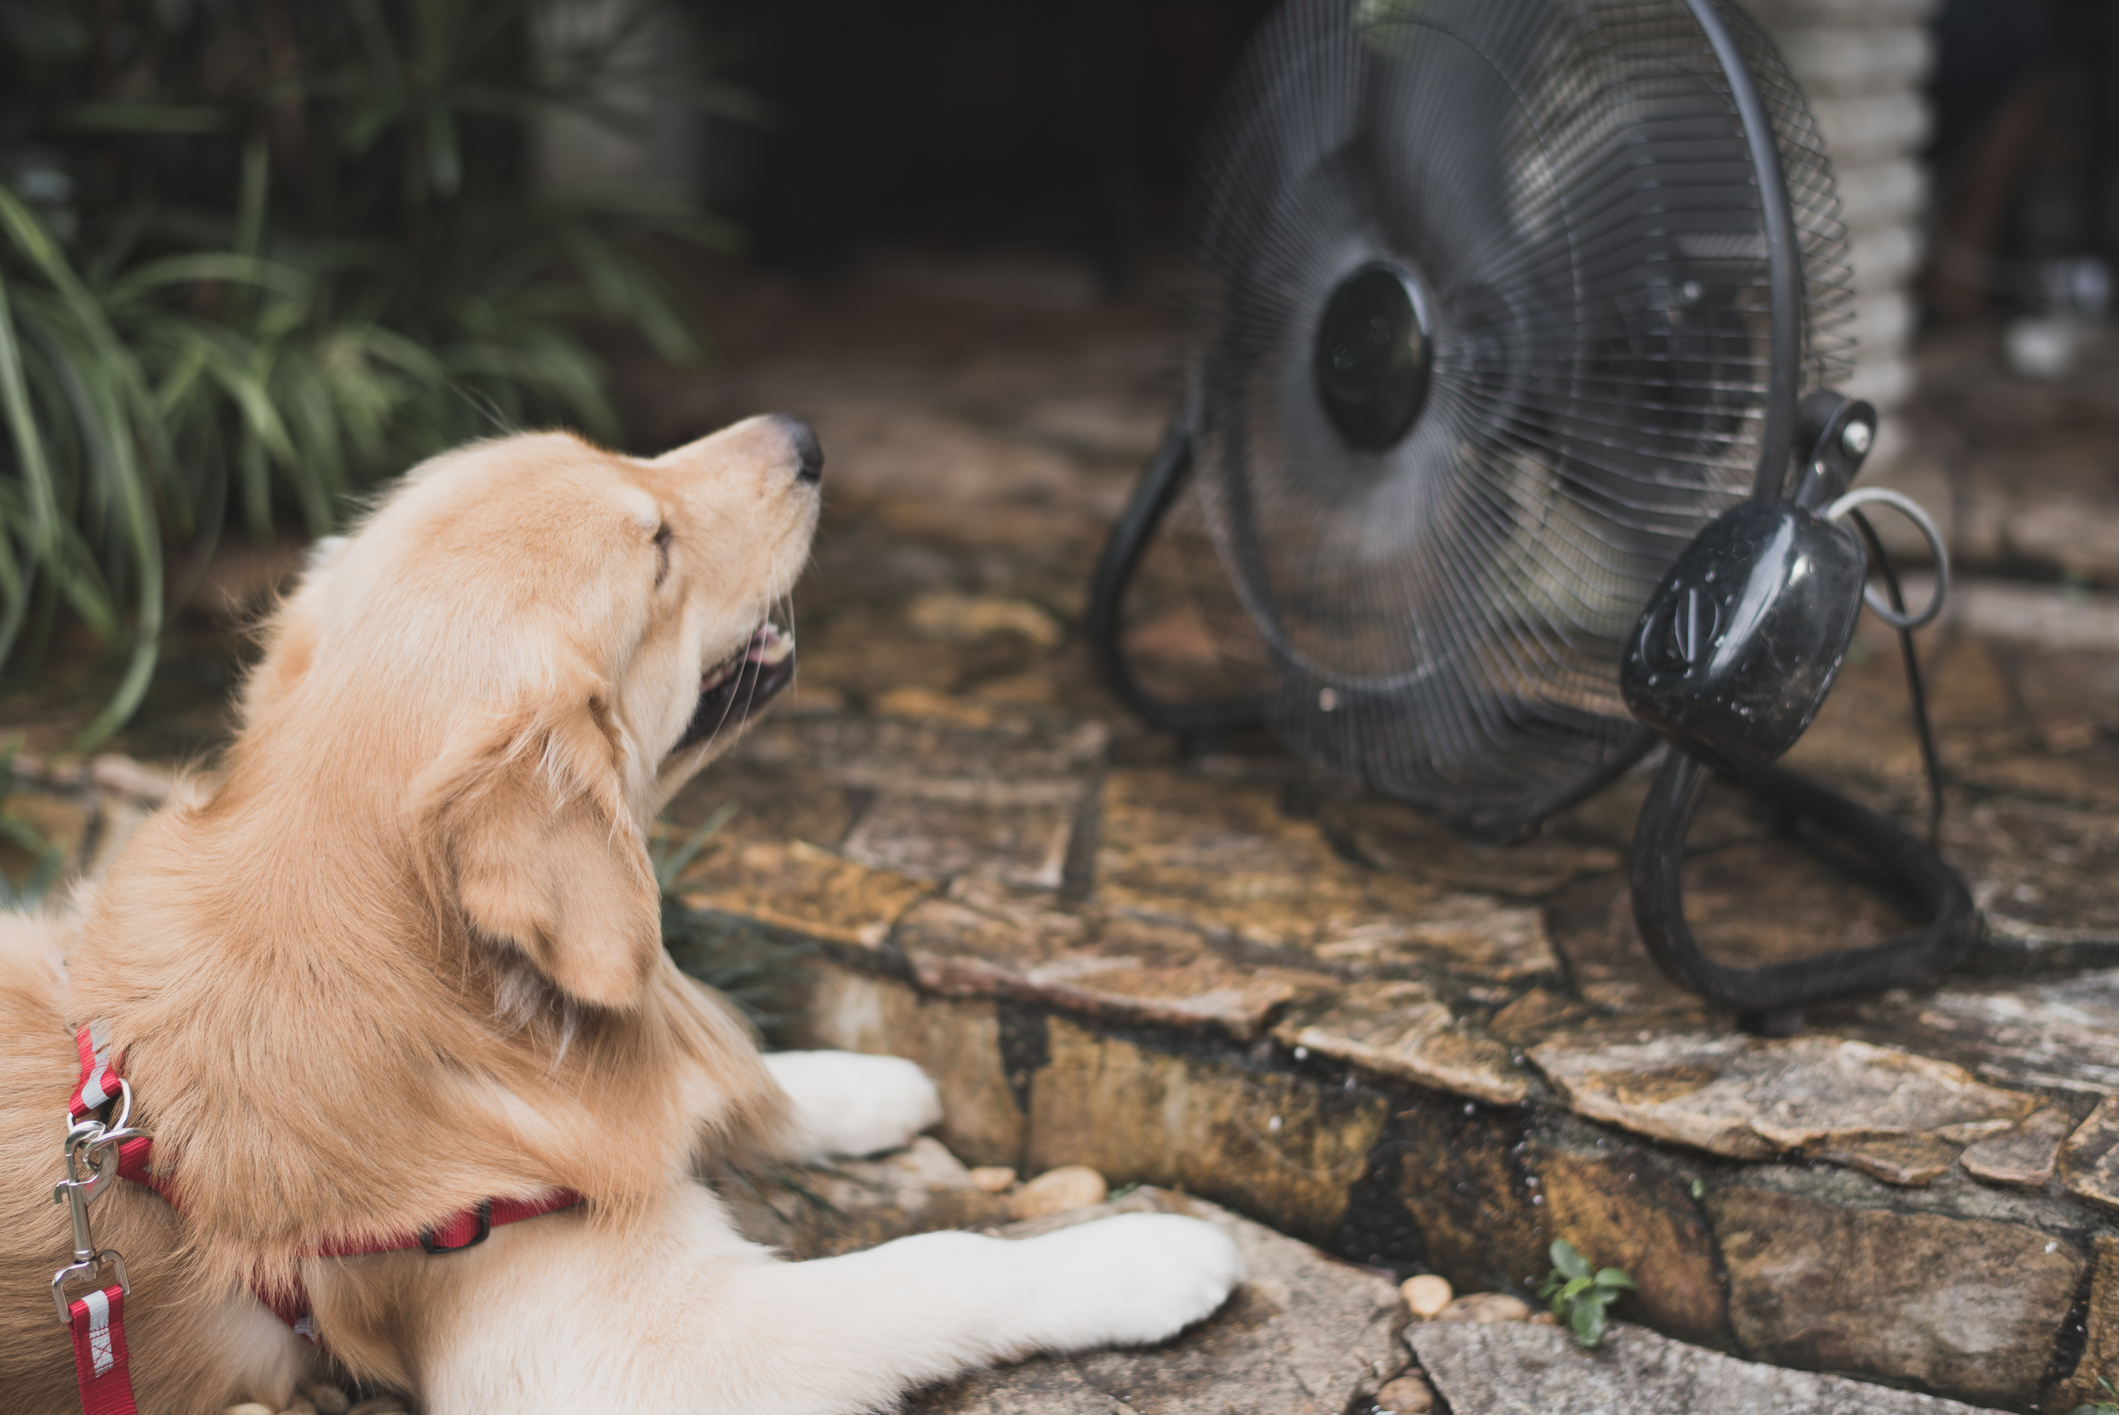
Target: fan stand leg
x=1770 y=999
x=1159 y=484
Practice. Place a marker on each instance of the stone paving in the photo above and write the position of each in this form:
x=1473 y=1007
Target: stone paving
x=1235 y=978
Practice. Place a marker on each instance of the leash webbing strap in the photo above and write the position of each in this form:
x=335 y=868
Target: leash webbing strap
x=100 y=1364
x=98 y=1085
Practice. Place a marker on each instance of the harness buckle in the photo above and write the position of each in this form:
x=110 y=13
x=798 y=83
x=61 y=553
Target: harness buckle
x=484 y=1212
x=91 y=1162
x=96 y=1262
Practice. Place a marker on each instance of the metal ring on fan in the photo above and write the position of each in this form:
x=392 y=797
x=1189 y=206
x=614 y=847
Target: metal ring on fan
x=1913 y=511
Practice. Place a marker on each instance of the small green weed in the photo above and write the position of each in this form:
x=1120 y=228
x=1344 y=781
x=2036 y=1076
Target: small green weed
x=752 y=967
x=1579 y=1296
x=49 y=858
x=2100 y=1407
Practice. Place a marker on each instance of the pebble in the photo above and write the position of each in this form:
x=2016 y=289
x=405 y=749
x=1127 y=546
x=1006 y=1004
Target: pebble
x=301 y=1406
x=1057 y=1190
x=328 y=1400
x=1485 y=1307
x=1409 y=1394
x=1544 y=1319
x=379 y=1405
x=1426 y=1294
x=248 y=1407
x=993 y=1178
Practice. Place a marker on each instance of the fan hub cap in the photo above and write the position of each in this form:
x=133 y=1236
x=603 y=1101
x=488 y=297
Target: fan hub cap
x=1373 y=356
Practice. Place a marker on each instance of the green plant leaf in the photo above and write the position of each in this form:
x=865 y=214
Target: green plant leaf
x=1567 y=1260
x=1616 y=1279
x=670 y=866
x=148 y=117
x=1586 y=1318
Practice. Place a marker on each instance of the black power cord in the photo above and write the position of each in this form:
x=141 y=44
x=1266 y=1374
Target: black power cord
x=1916 y=690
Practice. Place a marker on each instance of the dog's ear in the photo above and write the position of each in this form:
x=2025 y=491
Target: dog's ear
x=526 y=825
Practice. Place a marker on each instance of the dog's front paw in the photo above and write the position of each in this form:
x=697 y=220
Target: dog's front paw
x=1132 y=1280
x=850 y=1104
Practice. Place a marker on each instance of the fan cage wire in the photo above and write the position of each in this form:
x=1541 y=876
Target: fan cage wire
x=1453 y=638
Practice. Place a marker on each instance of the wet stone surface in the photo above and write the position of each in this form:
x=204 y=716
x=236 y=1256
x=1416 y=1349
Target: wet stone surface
x=1403 y=1031
x=1752 y=1098
x=2089 y=1161
x=2056 y=1034
x=1955 y=1304
x=1514 y=1369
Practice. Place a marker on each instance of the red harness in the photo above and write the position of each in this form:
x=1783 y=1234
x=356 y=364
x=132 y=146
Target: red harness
x=97 y=1318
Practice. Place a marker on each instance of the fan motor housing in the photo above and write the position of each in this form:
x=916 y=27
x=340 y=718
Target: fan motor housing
x=1373 y=355
x=1742 y=639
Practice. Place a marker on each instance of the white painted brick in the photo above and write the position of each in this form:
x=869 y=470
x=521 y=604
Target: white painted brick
x=1878 y=194
x=1774 y=15
x=1834 y=62
x=1884 y=259
x=1872 y=127
x=1881 y=323
x=1886 y=382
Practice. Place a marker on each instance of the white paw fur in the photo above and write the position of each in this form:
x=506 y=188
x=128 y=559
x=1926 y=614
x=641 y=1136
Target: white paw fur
x=849 y=1104
x=1130 y=1280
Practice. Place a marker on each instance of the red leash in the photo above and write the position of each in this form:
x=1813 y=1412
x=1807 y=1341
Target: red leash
x=97 y=1152
x=98 y=1325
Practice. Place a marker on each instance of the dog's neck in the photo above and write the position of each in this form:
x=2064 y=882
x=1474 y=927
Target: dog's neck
x=323 y=1048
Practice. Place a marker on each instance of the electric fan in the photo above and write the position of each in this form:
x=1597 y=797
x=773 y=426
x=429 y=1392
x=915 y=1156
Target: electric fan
x=1495 y=419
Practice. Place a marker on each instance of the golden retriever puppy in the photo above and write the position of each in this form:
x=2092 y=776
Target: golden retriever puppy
x=405 y=960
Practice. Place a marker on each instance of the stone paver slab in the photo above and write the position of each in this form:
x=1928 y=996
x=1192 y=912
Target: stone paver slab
x=1518 y=1369
x=1021 y=842
x=2100 y=1346
x=2089 y=1161
x=1221 y=856
x=1394 y=837
x=987 y=940
x=2063 y=1034
x=1264 y=1141
x=1022 y=764
x=2022 y=1158
x=1615 y=1203
x=797 y=886
x=1403 y=1030
x=1304 y=1335
x=1961 y=1304
x=2041 y=874
x=1751 y=1098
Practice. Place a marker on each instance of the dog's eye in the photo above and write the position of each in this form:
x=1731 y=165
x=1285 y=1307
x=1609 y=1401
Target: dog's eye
x=662 y=556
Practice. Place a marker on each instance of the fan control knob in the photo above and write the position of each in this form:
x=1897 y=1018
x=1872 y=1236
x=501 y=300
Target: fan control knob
x=1741 y=641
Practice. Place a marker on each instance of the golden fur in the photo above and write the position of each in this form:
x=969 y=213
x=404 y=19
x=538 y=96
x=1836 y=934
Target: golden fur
x=407 y=955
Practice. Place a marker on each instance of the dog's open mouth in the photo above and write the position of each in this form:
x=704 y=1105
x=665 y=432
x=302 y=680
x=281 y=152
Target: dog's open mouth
x=743 y=682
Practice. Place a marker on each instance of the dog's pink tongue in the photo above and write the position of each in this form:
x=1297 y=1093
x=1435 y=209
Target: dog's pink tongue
x=770 y=645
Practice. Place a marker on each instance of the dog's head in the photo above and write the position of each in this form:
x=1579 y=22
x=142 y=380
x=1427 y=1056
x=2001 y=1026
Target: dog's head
x=525 y=650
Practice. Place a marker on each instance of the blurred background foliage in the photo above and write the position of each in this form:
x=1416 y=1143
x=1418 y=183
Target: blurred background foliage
x=256 y=254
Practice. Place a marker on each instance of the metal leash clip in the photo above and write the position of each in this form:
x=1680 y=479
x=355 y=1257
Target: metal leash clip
x=91 y=1163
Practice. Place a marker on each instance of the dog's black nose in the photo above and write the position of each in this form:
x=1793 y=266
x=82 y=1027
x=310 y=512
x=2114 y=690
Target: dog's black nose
x=809 y=453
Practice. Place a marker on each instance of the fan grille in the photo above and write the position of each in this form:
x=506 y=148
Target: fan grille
x=1569 y=184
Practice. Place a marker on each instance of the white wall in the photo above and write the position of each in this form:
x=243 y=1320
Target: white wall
x=1863 y=63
